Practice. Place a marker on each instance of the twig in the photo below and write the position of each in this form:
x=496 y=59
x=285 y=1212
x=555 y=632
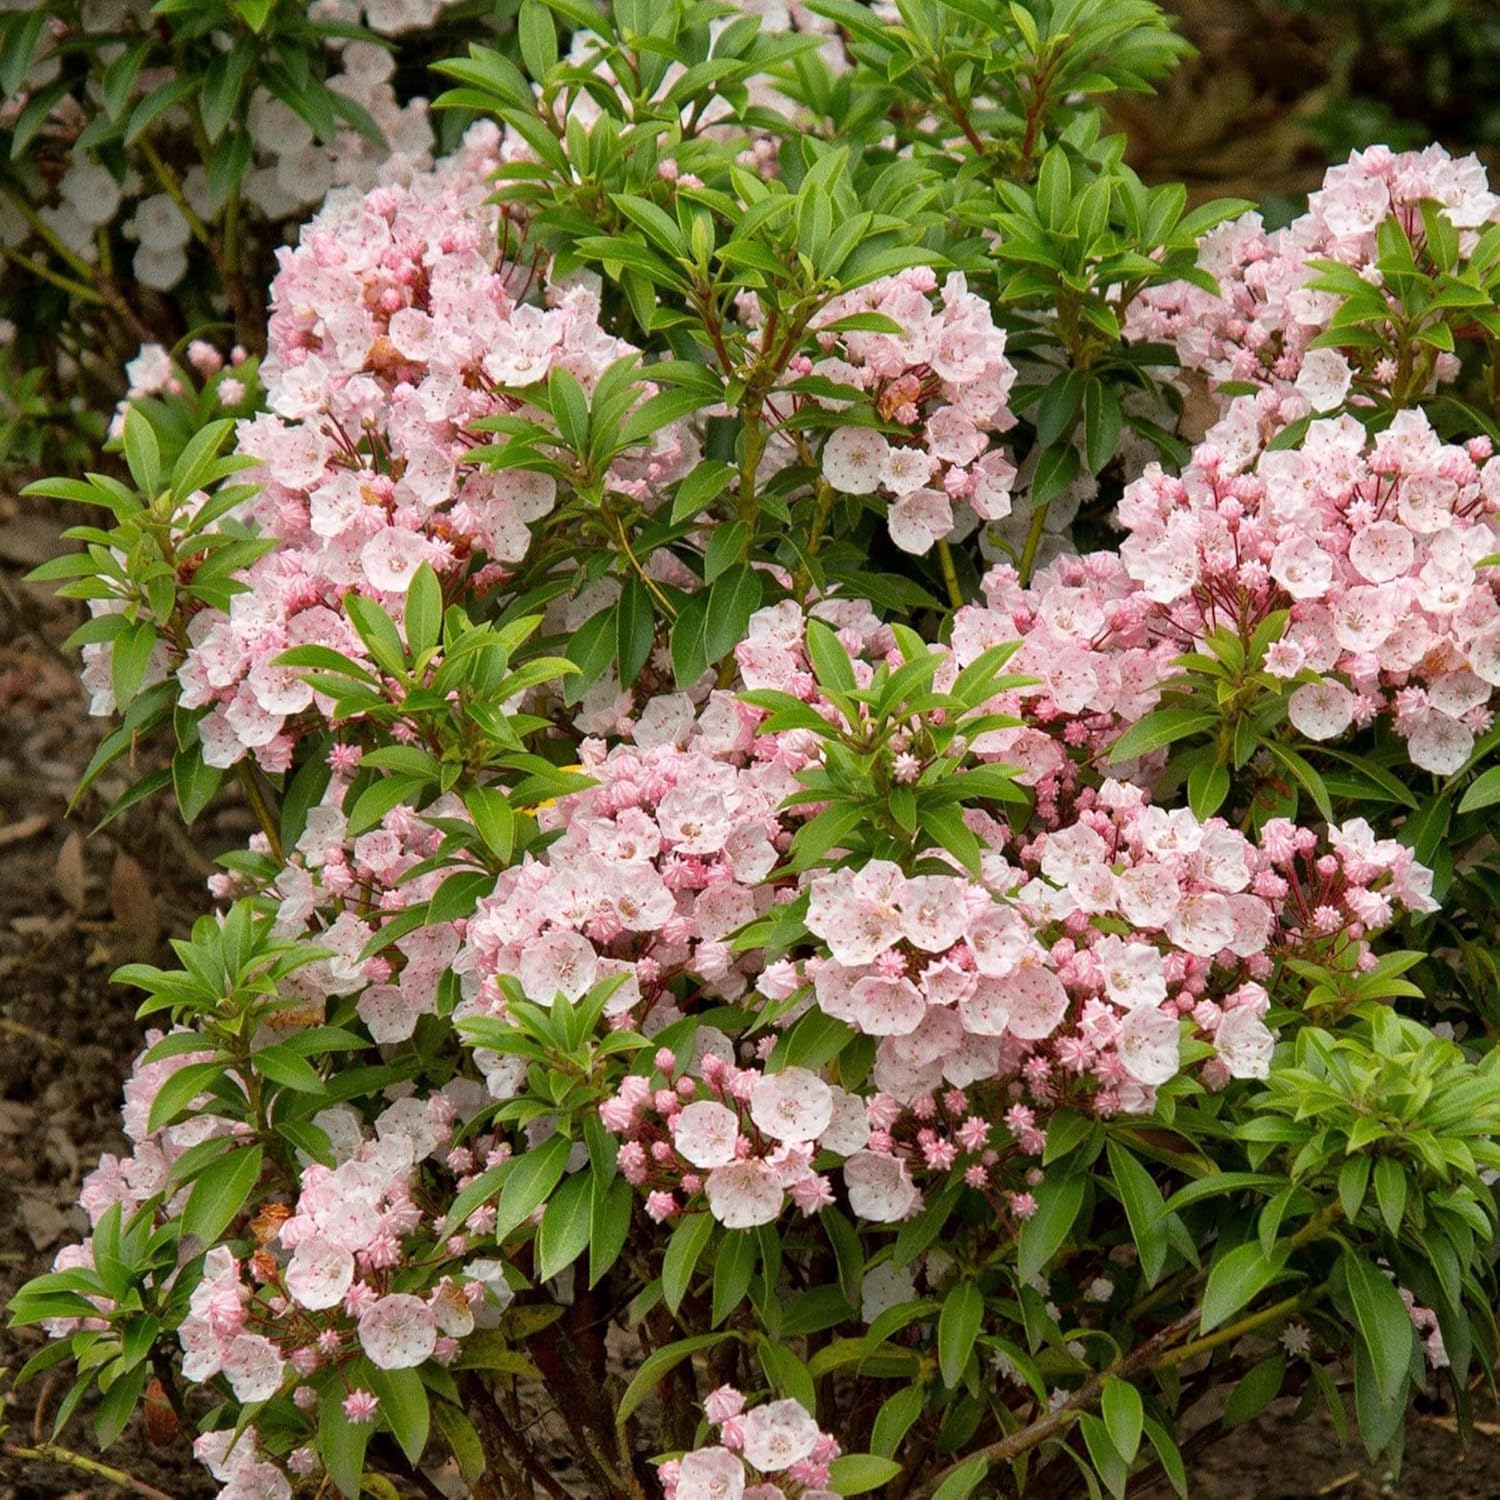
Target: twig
x=1039 y=1431
x=52 y=1453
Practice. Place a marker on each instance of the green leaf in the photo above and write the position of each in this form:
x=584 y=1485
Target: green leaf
x=1058 y=408
x=895 y=1418
x=462 y=1438
x=538 y=39
x=1385 y=1329
x=734 y=1266
x=958 y=1327
x=1235 y=1279
x=701 y=487
x=154 y=105
x=733 y=598
x=635 y=628
x=609 y=1224
x=962 y=1482
x=1124 y=1416
x=1163 y=727
x=494 y=818
x=1169 y=1456
x=857 y=1473
x=655 y=1368
x=1390 y=1192
x=725 y=547
x=1305 y=776
x=342 y=1443
x=1143 y=1208
x=1483 y=791
x=536 y=1172
x=564 y=1232
x=1259 y=1388
x=180 y=1089
x=194 y=783
x=283 y=1066
x=1109 y=1464
x=688 y=1242
x=404 y=1405
x=1056 y=469
x=119 y=1403
x=1059 y=1202
x=1102 y=423
x=129 y=659
x=1207 y=787
x=219 y=1193
x=1054 y=188
x=424 y=609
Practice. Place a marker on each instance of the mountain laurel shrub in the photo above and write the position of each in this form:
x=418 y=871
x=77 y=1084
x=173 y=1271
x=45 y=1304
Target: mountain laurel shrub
x=874 y=749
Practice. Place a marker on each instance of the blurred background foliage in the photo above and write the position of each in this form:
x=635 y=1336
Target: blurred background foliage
x=1280 y=88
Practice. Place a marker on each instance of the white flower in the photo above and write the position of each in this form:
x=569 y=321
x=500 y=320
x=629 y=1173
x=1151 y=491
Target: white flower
x=1038 y=1002
x=1133 y=973
x=1321 y=710
x=1296 y=1339
x=744 y=1194
x=778 y=1435
x=879 y=1189
x=253 y=1367
x=854 y=459
x=390 y=558
x=793 y=1105
x=1245 y=1044
x=711 y=1474
x=319 y=1273
x=1440 y=744
x=398 y=1332
x=1324 y=378
x=705 y=1133
x=885 y=1286
x=1148 y=1045
x=1301 y=567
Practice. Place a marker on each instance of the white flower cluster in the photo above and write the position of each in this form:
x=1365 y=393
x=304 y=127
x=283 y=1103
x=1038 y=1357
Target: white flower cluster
x=291 y=170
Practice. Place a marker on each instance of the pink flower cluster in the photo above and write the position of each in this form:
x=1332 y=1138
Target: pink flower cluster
x=396 y=326
x=745 y=1139
x=1260 y=326
x=944 y=378
x=318 y=1289
x=334 y=892
x=1373 y=544
x=1084 y=628
x=131 y=1180
x=231 y=1459
x=656 y=865
x=962 y=987
x=779 y=1438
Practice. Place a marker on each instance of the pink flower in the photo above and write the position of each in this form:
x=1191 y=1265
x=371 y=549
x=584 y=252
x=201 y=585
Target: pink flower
x=360 y=1407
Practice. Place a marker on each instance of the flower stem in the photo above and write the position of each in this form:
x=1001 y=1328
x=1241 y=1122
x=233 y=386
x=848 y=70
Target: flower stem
x=1033 y=541
x=78 y=289
x=256 y=797
x=173 y=190
x=1232 y=1331
x=950 y=574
